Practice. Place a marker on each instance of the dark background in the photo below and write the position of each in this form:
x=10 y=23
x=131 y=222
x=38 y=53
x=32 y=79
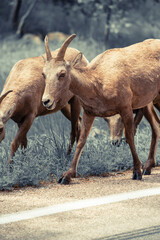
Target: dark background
x=114 y=23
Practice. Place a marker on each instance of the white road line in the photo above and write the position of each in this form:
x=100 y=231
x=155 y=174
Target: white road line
x=64 y=207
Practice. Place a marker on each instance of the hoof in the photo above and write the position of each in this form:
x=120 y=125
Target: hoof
x=137 y=176
x=64 y=181
x=146 y=172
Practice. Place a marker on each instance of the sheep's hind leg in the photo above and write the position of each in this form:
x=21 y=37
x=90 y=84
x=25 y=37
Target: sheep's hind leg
x=75 y=122
x=154 y=121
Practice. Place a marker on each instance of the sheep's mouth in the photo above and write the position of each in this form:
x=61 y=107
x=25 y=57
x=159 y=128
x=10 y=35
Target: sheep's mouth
x=52 y=106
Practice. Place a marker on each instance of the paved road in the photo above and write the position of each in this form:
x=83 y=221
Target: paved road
x=137 y=218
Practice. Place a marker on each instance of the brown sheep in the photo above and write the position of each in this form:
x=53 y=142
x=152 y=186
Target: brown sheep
x=115 y=82
x=23 y=104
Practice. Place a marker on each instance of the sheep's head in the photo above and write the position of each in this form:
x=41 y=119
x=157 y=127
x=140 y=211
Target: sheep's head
x=116 y=128
x=56 y=74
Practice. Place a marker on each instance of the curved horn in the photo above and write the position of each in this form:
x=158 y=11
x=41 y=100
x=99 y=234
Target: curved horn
x=62 y=50
x=48 y=52
x=4 y=95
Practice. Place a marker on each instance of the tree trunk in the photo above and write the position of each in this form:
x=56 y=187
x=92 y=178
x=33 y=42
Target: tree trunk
x=19 y=32
x=15 y=13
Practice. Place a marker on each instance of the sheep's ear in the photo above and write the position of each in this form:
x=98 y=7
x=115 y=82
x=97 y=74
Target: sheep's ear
x=77 y=59
x=44 y=60
x=4 y=95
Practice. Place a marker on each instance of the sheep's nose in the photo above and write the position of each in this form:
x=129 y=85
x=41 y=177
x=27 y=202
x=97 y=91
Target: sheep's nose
x=45 y=102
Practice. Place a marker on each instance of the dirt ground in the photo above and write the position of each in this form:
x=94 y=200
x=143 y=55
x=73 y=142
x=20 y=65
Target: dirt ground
x=80 y=188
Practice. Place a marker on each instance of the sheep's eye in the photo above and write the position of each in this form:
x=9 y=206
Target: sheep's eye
x=62 y=75
x=43 y=75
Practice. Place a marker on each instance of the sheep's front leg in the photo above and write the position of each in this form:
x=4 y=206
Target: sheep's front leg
x=86 y=127
x=21 y=138
x=127 y=117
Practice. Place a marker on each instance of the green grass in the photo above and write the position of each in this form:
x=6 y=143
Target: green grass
x=45 y=158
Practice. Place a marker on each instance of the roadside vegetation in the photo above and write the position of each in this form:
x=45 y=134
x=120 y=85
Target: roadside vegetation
x=45 y=158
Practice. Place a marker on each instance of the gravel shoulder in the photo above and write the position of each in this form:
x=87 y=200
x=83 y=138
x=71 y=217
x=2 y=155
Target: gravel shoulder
x=80 y=188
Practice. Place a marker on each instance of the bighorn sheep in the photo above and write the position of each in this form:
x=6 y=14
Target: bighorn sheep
x=23 y=103
x=115 y=82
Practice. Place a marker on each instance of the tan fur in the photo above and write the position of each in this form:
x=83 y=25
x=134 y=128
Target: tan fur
x=115 y=82
x=116 y=128
x=24 y=103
